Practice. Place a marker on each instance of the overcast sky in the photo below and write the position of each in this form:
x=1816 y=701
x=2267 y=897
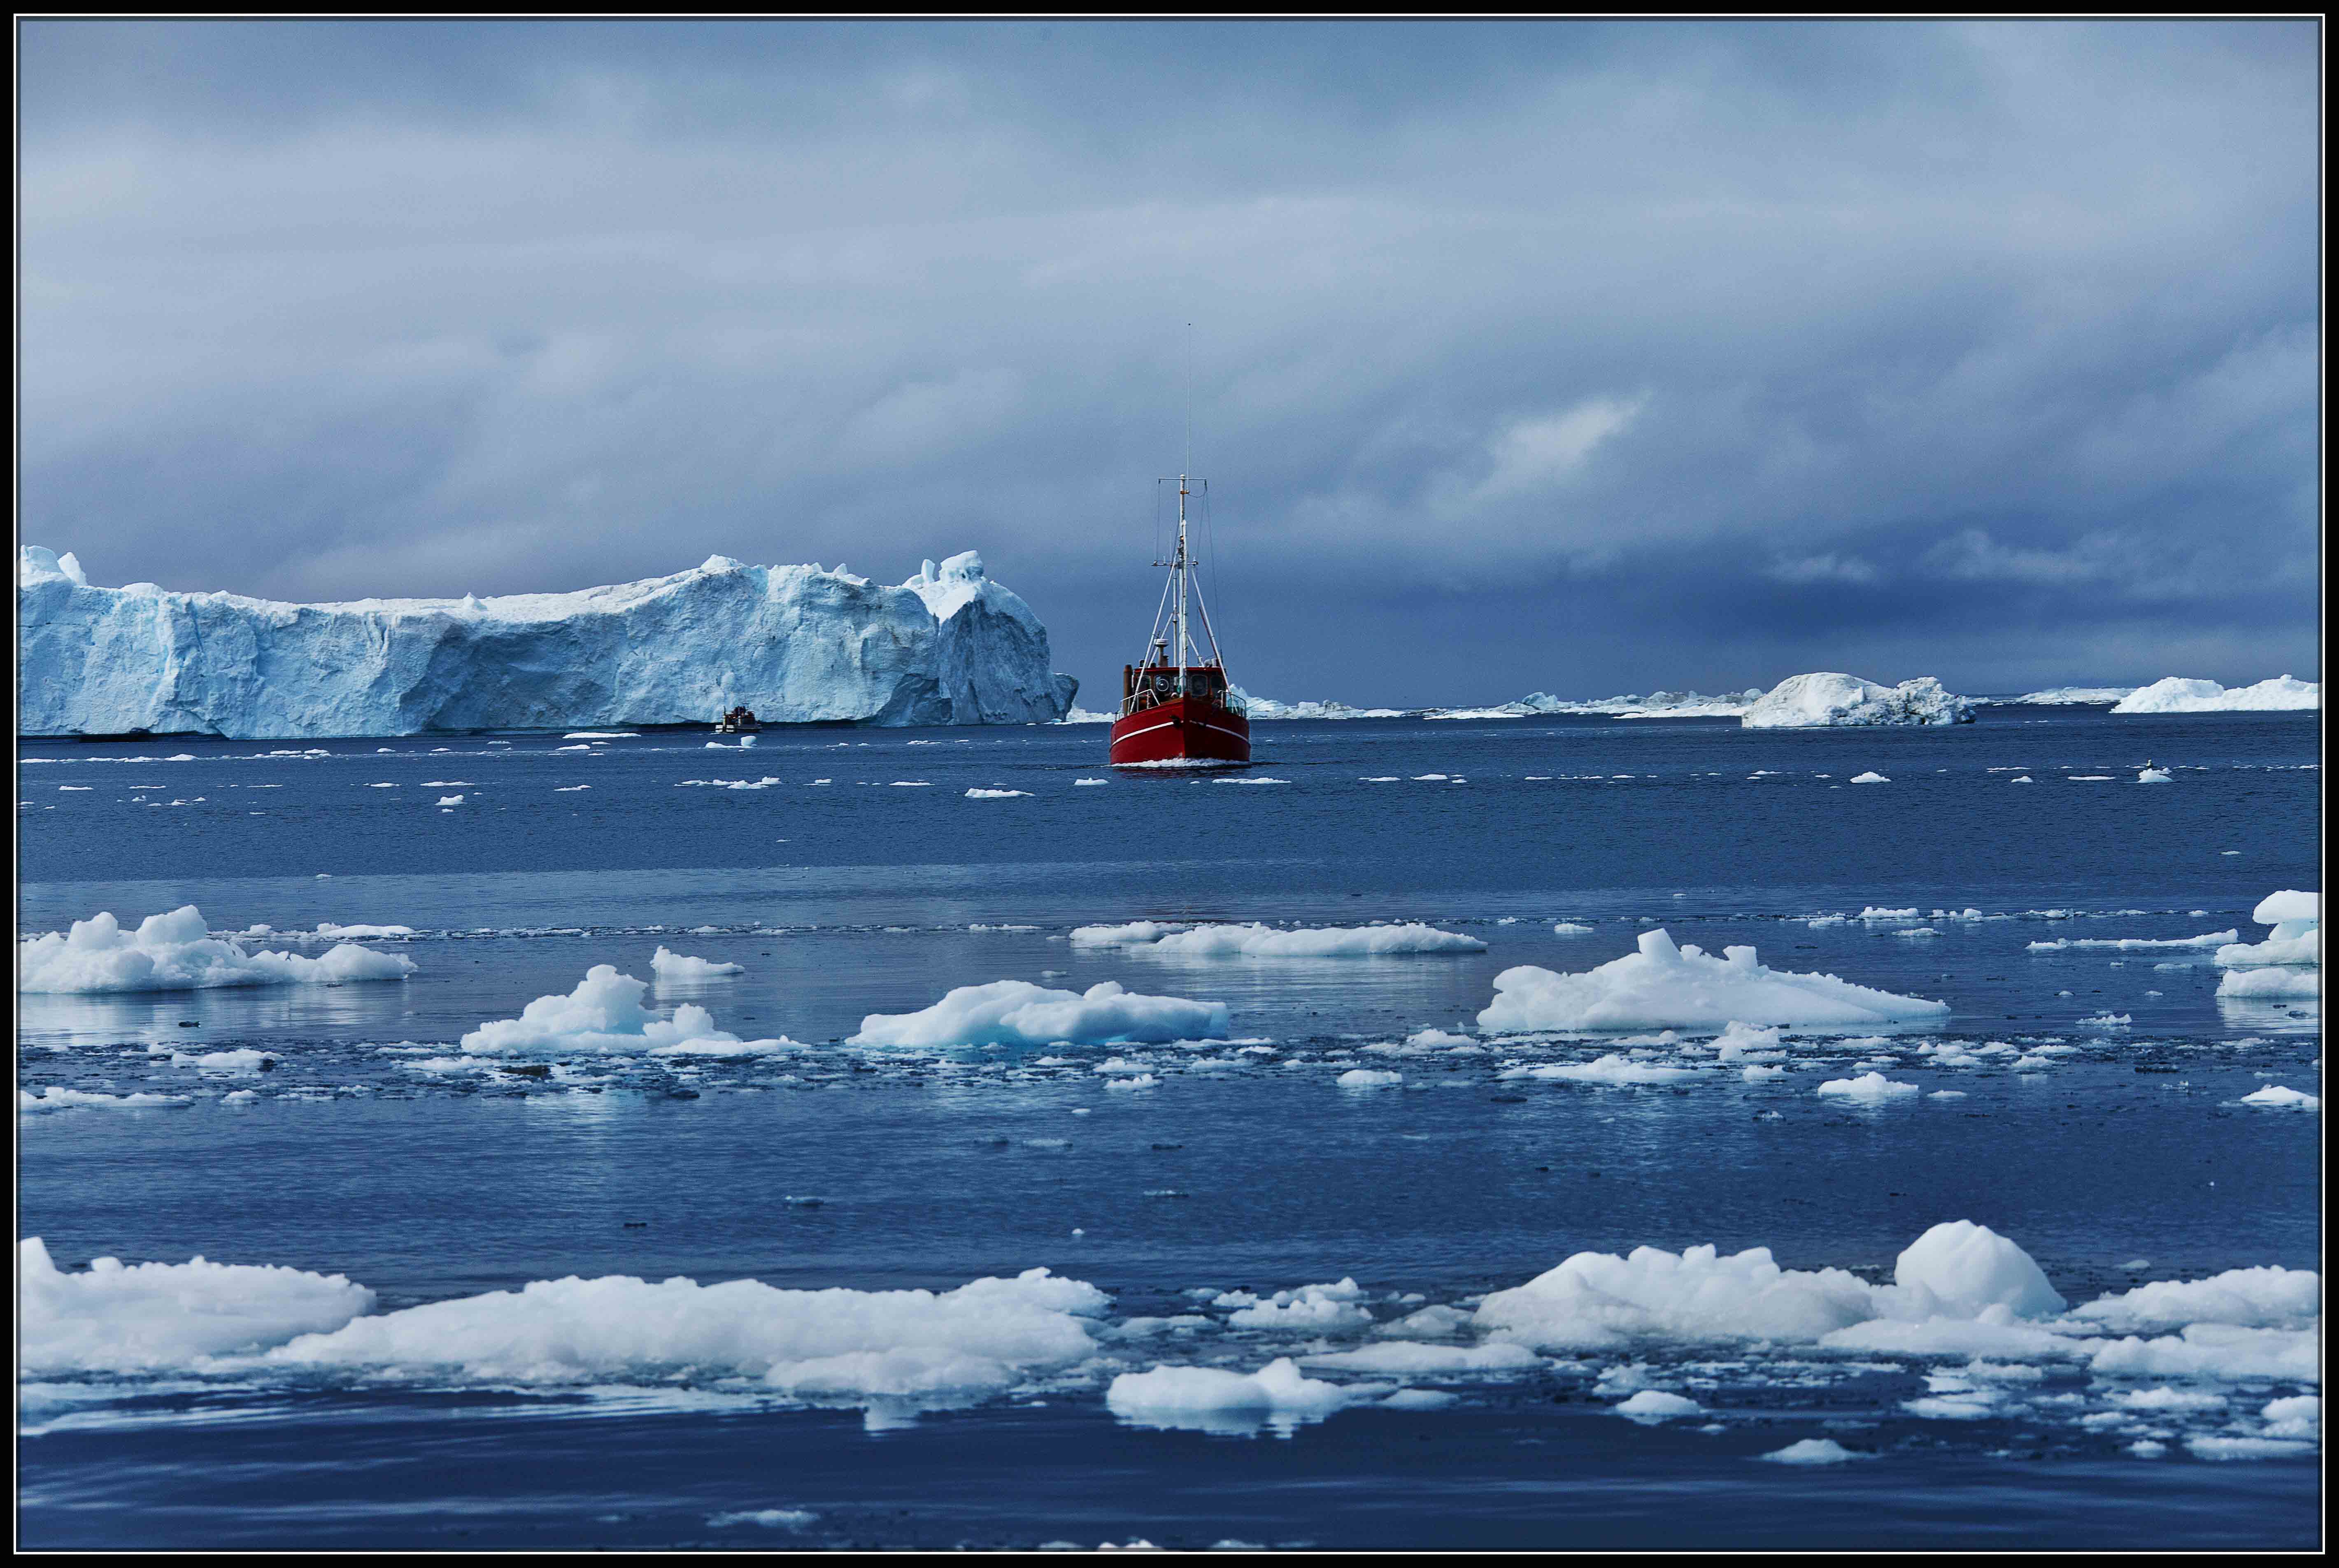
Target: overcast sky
x=1580 y=357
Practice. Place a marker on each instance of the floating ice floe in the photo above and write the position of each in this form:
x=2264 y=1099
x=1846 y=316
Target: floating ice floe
x=604 y=1016
x=1664 y=986
x=2176 y=695
x=1812 y=1451
x=1254 y=941
x=1410 y=1359
x=2264 y=1298
x=1306 y=1309
x=2272 y=984
x=673 y=967
x=2297 y=935
x=1867 y=778
x=773 y=1518
x=1871 y=1086
x=1957 y=1272
x=2125 y=944
x=57 y=1097
x=1611 y=1069
x=842 y=1345
x=327 y=930
x=1829 y=698
x=1018 y=1012
x=2281 y=1098
x=167 y=1316
x=2154 y=775
x=1212 y=1398
x=1368 y=1077
x=176 y=952
x=997 y=794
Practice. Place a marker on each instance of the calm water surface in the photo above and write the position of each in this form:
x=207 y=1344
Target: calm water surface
x=863 y=878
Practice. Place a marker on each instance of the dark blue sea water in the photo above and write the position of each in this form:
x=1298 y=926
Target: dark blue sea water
x=2119 y=1155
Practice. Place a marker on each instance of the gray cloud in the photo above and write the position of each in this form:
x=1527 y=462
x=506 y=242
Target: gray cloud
x=1578 y=357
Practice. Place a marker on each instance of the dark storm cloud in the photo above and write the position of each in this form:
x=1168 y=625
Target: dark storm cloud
x=1559 y=356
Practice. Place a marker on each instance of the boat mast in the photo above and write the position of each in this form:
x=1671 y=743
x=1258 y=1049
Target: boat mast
x=1182 y=647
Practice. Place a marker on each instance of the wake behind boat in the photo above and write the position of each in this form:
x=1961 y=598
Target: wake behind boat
x=1176 y=711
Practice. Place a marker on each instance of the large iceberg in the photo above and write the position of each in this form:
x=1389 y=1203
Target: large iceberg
x=796 y=644
x=1803 y=702
x=2175 y=695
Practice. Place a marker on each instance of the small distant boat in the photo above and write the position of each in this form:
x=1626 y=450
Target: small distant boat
x=739 y=721
x=1174 y=707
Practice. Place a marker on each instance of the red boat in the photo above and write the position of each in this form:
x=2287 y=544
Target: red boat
x=1176 y=709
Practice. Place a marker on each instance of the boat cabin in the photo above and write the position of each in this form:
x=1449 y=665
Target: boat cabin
x=1147 y=685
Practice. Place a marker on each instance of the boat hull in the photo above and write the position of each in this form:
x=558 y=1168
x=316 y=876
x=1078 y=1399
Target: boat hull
x=1180 y=731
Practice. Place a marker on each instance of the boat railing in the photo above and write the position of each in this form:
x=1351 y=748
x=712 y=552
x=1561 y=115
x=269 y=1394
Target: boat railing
x=1145 y=697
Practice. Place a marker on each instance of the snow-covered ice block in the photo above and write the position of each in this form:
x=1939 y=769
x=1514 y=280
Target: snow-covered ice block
x=1664 y=986
x=1018 y=1012
x=2288 y=906
x=2272 y=984
x=604 y=1016
x=1189 y=1395
x=1829 y=698
x=2296 y=937
x=1872 y=1085
x=835 y=1344
x=153 y=1316
x=2212 y=1350
x=674 y=967
x=2244 y=1297
x=1308 y=1309
x=176 y=952
x=1368 y=1077
x=1957 y=1274
x=1812 y=1451
x=1411 y=1358
x=2277 y=1097
x=1596 y=1300
x=1966 y=1268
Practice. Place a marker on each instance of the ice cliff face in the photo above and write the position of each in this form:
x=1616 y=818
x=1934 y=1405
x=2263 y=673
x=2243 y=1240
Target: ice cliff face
x=1828 y=698
x=796 y=643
